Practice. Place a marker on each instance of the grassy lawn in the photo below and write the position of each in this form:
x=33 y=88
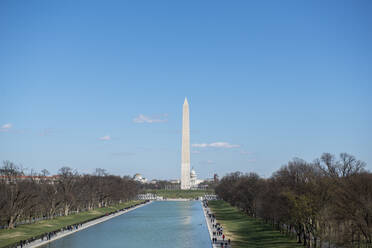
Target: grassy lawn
x=23 y=232
x=177 y=193
x=245 y=231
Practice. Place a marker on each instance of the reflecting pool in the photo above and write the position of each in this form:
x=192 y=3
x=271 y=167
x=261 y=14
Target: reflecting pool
x=173 y=224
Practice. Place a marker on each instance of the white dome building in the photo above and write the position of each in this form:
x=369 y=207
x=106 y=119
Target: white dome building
x=139 y=178
x=194 y=182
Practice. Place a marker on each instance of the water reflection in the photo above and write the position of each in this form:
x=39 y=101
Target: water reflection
x=186 y=212
x=159 y=225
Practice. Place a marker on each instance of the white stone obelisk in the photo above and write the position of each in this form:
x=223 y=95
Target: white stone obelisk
x=185 y=166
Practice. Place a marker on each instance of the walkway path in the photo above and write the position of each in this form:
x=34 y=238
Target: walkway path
x=40 y=242
x=215 y=232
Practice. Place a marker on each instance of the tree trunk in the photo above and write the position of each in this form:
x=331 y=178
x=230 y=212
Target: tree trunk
x=67 y=209
x=11 y=222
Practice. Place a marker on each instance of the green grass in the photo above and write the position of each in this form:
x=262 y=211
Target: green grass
x=23 y=232
x=177 y=193
x=249 y=232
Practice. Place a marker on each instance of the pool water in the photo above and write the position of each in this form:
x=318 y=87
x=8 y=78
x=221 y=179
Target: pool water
x=176 y=224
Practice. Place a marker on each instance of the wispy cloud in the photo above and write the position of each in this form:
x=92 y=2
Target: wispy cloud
x=206 y=162
x=107 y=137
x=200 y=145
x=216 y=145
x=6 y=127
x=195 y=152
x=150 y=119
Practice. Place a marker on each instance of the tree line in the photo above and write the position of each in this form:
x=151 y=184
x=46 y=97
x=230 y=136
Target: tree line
x=325 y=203
x=24 y=199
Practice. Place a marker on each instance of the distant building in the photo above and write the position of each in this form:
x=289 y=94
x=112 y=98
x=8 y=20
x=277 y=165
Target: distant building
x=139 y=178
x=209 y=180
x=194 y=181
x=149 y=196
x=173 y=185
x=174 y=181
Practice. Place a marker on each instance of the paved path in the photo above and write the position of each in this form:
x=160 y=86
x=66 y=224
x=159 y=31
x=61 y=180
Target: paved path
x=213 y=231
x=40 y=242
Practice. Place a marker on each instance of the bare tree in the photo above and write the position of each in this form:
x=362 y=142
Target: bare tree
x=45 y=172
x=24 y=198
x=66 y=183
x=325 y=202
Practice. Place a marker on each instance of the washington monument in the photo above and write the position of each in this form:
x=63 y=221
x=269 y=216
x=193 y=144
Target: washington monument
x=185 y=166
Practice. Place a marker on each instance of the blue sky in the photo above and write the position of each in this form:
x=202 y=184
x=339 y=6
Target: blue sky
x=90 y=84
